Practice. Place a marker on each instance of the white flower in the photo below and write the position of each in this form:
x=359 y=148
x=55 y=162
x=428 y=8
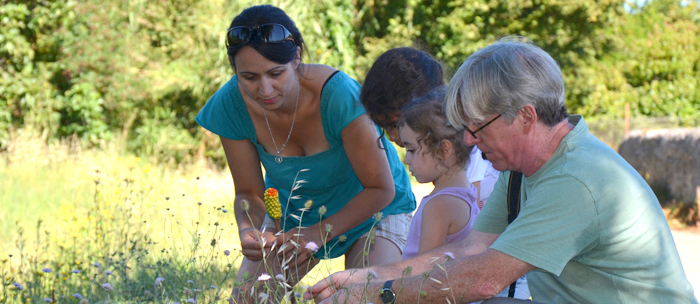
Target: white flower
x=191 y=300
x=280 y=277
x=159 y=281
x=372 y=275
x=264 y=277
x=107 y=286
x=263 y=296
x=449 y=255
x=77 y=296
x=311 y=246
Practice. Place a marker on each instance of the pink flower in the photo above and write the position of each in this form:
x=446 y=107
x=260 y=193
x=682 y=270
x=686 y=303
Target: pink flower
x=311 y=246
x=264 y=277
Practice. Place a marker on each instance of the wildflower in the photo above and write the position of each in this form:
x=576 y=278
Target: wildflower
x=96 y=265
x=159 y=281
x=199 y=203
x=227 y=252
x=190 y=281
x=263 y=297
x=372 y=274
x=449 y=255
x=378 y=217
x=224 y=210
x=329 y=227
x=272 y=203
x=311 y=246
x=48 y=300
x=84 y=301
x=264 y=277
x=280 y=277
x=308 y=204
x=75 y=271
x=108 y=272
x=342 y=238
x=107 y=287
x=191 y=300
x=212 y=286
x=77 y=296
x=47 y=270
x=18 y=285
x=322 y=210
x=245 y=205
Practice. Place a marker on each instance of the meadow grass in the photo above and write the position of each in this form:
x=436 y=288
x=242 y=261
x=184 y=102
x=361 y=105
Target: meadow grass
x=109 y=227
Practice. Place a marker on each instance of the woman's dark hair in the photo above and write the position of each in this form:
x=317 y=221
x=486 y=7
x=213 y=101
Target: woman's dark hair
x=397 y=76
x=426 y=116
x=282 y=53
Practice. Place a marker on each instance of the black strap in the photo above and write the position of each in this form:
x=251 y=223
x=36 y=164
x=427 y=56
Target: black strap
x=514 y=183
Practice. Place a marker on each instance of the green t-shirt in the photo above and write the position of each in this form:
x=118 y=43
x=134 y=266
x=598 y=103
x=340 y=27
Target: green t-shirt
x=591 y=226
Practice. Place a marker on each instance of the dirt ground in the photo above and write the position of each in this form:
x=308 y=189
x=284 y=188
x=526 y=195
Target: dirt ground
x=687 y=242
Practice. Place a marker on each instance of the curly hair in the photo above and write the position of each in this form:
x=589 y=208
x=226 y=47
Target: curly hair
x=426 y=116
x=397 y=76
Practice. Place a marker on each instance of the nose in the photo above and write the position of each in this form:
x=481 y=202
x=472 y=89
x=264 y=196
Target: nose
x=469 y=140
x=265 y=88
x=393 y=134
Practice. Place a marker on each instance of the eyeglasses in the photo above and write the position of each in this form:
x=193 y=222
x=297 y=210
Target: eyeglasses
x=268 y=33
x=473 y=133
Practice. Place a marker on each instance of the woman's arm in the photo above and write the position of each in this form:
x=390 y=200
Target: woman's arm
x=371 y=166
x=244 y=164
x=442 y=215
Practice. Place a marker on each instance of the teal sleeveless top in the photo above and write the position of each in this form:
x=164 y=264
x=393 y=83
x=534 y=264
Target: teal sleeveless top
x=329 y=179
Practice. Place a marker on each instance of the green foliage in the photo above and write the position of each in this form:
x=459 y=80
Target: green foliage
x=136 y=72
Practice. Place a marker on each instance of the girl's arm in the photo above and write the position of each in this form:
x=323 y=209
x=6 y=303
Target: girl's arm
x=244 y=164
x=442 y=215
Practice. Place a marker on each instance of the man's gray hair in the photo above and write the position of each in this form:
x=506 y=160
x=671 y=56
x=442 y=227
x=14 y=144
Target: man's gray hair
x=501 y=79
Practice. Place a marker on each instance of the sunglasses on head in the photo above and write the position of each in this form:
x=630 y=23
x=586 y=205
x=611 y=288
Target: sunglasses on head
x=268 y=33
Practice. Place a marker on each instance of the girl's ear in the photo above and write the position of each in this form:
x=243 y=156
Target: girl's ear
x=446 y=148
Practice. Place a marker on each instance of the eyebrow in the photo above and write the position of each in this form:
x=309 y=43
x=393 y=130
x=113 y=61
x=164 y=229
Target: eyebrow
x=280 y=67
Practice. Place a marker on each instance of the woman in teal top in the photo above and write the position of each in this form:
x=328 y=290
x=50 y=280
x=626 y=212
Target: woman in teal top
x=306 y=126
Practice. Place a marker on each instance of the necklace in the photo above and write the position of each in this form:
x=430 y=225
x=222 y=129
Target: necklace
x=278 y=158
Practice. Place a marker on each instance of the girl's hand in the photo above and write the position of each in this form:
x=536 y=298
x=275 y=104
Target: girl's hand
x=255 y=243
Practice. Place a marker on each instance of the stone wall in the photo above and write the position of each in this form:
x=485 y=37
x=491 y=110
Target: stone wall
x=668 y=159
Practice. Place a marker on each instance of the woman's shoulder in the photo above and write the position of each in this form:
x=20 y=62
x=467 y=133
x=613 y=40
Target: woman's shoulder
x=315 y=76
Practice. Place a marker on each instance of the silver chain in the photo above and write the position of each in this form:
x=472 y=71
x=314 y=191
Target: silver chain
x=278 y=158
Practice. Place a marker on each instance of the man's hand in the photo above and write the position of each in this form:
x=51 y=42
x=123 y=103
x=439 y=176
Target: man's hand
x=330 y=285
x=254 y=243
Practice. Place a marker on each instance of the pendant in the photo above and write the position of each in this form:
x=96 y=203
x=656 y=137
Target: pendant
x=278 y=159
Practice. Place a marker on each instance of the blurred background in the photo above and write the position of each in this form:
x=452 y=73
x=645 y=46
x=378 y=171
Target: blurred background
x=134 y=73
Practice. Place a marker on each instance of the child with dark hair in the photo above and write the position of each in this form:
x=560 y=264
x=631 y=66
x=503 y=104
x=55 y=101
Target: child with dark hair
x=435 y=153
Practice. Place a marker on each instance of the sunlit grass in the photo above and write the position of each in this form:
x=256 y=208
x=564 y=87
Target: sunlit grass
x=75 y=220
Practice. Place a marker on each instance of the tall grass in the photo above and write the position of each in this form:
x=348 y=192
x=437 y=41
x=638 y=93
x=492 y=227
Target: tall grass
x=110 y=227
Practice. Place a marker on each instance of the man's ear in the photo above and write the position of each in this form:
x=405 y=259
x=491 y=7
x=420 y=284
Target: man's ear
x=528 y=115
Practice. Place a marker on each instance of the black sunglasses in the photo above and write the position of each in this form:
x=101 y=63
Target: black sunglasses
x=473 y=133
x=268 y=33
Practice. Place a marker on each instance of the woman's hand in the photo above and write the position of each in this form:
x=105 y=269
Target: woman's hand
x=256 y=244
x=296 y=248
